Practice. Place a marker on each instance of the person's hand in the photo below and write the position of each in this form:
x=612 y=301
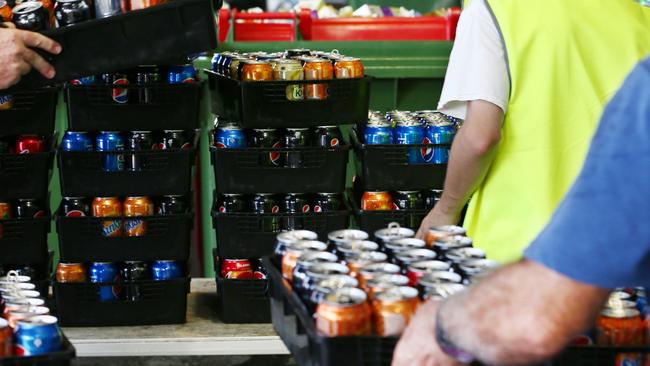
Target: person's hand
x=418 y=346
x=437 y=217
x=16 y=57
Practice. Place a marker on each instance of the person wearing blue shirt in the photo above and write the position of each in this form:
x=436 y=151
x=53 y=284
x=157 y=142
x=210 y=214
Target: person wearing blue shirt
x=598 y=239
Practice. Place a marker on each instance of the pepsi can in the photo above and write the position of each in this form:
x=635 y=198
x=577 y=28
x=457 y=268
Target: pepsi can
x=118 y=95
x=37 y=335
x=439 y=133
x=86 y=80
x=215 y=62
x=266 y=138
x=181 y=74
x=164 y=270
x=102 y=272
x=379 y=133
x=229 y=136
x=224 y=63
x=76 y=141
x=410 y=132
x=111 y=141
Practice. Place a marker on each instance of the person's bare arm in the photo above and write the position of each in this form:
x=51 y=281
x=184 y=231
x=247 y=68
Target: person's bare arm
x=522 y=314
x=471 y=156
x=16 y=57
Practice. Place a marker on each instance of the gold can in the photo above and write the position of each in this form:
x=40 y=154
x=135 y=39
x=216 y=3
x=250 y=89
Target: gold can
x=287 y=69
x=348 y=68
x=317 y=69
x=252 y=70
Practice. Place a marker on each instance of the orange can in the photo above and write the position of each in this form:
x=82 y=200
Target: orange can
x=71 y=272
x=376 y=201
x=5 y=15
x=253 y=70
x=133 y=207
x=383 y=282
x=317 y=69
x=294 y=250
x=356 y=261
x=393 y=309
x=621 y=326
x=109 y=207
x=348 y=68
x=6 y=338
x=344 y=312
x=438 y=232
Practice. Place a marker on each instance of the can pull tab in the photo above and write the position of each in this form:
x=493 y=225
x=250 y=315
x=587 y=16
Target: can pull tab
x=335 y=52
x=393 y=228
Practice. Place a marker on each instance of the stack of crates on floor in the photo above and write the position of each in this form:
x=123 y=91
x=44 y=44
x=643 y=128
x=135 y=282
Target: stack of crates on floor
x=27 y=146
x=267 y=182
x=410 y=173
x=129 y=151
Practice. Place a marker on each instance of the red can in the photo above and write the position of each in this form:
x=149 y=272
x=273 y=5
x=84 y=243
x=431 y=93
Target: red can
x=29 y=144
x=5 y=210
x=6 y=339
x=376 y=201
x=237 y=269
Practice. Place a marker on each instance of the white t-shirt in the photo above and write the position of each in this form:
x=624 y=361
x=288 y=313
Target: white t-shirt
x=477 y=66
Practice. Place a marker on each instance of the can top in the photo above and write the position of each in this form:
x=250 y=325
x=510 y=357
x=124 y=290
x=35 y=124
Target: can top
x=379 y=268
x=462 y=254
x=14 y=277
x=30 y=309
x=362 y=258
x=476 y=266
x=305 y=245
x=394 y=231
x=387 y=280
x=2 y=3
x=9 y=287
x=429 y=266
x=23 y=294
x=407 y=192
x=619 y=304
x=403 y=244
x=3 y=322
x=27 y=7
x=333 y=282
x=347 y=296
x=449 y=229
x=620 y=313
x=454 y=241
x=619 y=295
x=37 y=321
x=397 y=293
x=31 y=301
x=255 y=62
x=357 y=246
x=296 y=235
x=324 y=270
x=348 y=59
x=347 y=235
x=444 y=290
x=416 y=255
x=433 y=278
x=312 y=257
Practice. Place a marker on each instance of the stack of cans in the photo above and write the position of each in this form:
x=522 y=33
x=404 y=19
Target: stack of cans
x=354 y=286
x=26 y=326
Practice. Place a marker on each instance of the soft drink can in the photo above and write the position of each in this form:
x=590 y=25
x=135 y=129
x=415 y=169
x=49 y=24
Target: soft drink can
x=29 y=144
x=406 y=258
x=6 y=102
x=327 y=136
x=294 y=251
x=392 y=232
x=408 y=200
x=325 y=202
x=447 y=243
x=133 y=207
x=164 y=270
x=236 y=269
x=71 y=272
x=295 y=138
x=229 y=136
x=224 y=62
x=232 y=203
x=107 y=8
x=348 y=68
x=440 y=290
x=296 y=52
x=431 y=198
x=294 y=204
x=317 y=69
x=69 y=12
x=411 y=133
x=130 y=273
x=288 y=69
x=75 y=207
x=438 y=232
x=326 y=286
x=358 y=260
x=376 y=201
x=417 y=270
x=266 y=138
x=393 y=310
x=31 y=16
x=396 y=246
x=6 y=339
x=147 y=75
x=259 y=272
x=37 y=335
x=172 y=205
x=181 y=74
x=175 y=139
x=352 y=248
x=304 y=280
x=215 y=62
x=253 y=70
x=29 y=208
x=475 y=269
x=305 y=262
x=76 y=141
x=440 y=135
x=338 y=237
x=105 y=272
x=111 y=141
x=379 y=133
x=119 y=83
x=344 y=312
x=289 y=237
x=137 y=141
x=267 y=204
x=109 y=207
x=85 y=80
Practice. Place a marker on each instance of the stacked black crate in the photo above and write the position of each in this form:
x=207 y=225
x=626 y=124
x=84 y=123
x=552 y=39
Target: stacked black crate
x=27 y=143
x=250 y=169
x=402 y=171
x=156 y=165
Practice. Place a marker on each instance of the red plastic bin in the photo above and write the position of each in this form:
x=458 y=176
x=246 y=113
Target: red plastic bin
x=423 y=28
x=255 y=27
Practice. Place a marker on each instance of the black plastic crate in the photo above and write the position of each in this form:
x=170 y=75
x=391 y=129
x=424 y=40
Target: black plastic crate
x=298 y=332
x=59 y=358
x=239 y=170
x=241 y=235
x=32 y=112
x=263 y=104
x=172 y=107
x=166 y=237
x=161 y=34
x=386 y=167
x=24 y=240
x=164 y=302
x=242 y=301
x=371 y=221
x=164 y=172
x=595 y=355
x=25 y=175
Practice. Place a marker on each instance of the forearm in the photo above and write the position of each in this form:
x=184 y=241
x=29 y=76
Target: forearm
x=522 y=314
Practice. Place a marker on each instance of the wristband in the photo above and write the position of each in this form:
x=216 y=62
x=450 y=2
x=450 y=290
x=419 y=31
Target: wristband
x=448 y=347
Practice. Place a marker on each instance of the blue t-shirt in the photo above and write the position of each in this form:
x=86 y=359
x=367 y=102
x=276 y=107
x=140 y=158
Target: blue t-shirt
x=600 y=233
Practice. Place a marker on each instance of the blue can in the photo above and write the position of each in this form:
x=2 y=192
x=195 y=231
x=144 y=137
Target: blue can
x=102 y=272
x=86 y=80
x=76 y=141
x=224 y=63
x=379 y=133
x=229 y=136
x=165 y=270
x=181 y=74
x=37 y=335
x=410 y=133
x=216 y=62
x=111 y=141
x=439 y=133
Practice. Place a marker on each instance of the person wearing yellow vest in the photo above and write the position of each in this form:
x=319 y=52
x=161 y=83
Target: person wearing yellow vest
x=531 y=79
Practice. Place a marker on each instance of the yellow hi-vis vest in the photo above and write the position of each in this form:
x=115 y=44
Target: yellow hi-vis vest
x=566 y=59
